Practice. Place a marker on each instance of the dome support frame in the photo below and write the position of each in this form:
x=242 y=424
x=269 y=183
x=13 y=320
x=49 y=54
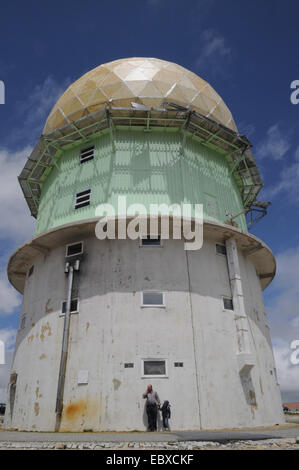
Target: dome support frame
x=235 y=148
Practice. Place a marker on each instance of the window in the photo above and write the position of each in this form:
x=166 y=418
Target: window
x=154 y=367
x=30 y=272
x=83 y=199
x=220 y=249
x=74 y=306
x=87 y=154
x=178 y=364
x=74 y=249
x=151 y=240
x=228 y=303
x=23 y=322
x=153 y=299
x=129 y=365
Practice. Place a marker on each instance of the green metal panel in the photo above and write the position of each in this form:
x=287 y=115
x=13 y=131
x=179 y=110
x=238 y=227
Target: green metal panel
x=146 y=167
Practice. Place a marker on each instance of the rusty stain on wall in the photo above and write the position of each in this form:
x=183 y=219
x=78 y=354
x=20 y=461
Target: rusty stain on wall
x=36 y=408
x=47 y=308
x=261 y=386
x=87 y=326
x=30 y=338
x=42 y=356
x=79 y=412
x=45 y=328
x=116 y=383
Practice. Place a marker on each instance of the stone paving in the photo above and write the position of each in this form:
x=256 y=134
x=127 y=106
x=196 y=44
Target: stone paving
x=270 y=444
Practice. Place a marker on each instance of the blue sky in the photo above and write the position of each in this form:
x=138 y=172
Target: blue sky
x=247 y=50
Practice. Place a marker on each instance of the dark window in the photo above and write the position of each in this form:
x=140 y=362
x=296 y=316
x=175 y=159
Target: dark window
x=74 y=306
x=153 y=298
x=151 y=241
x=178 y=364
x=154 y=368
x=228 y=303
x=23 y=322
x=220 y=249
x=83 y=199
x=129 y=365
x=87 y=154
x=75 y=249
x=30 y=271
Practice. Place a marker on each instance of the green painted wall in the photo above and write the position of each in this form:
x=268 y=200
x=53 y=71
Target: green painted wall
x=147 y=167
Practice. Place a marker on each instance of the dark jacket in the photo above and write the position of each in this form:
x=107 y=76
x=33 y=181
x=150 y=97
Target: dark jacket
x=165 y=410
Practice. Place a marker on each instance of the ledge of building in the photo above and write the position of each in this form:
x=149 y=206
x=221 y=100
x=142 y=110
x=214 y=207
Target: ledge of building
x=20 y=261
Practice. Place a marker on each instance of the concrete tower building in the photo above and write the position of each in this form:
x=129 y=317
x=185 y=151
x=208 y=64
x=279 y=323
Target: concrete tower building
x=101 y=319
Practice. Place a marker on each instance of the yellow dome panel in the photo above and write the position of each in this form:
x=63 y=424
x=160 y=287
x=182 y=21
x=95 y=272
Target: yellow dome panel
x=144 y=80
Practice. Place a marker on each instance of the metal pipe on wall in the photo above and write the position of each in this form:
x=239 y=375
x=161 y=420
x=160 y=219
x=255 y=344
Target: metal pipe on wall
x=64 y=351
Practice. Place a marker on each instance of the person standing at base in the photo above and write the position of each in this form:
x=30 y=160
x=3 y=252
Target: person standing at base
x=152 y=404
x=166 y=413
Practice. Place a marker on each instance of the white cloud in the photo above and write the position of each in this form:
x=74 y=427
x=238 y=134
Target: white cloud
x=283 y=311
x=10 y=299
x=275 y=145
x=16 y=222
x=288 y=184
x=287 y=373
x=8 y=336
x=215 y=53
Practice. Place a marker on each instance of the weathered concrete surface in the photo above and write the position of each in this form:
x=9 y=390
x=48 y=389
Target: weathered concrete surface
x=112 y=328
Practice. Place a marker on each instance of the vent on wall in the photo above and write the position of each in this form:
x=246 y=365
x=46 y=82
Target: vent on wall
x=74 y=249
x=220 y=249
x=150 y=241
x=30 y=272
x=74 y=306
x=87 y=154
x=228 y=303
x=83 y=199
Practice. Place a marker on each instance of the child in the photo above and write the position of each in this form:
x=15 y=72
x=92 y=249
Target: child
x=165 y=414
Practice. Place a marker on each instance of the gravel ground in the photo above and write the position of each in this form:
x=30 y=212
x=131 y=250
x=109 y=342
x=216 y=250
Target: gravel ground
x=270 y=444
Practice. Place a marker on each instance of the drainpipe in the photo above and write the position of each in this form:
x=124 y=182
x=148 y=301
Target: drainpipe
x=244 y=354
x=65 y=342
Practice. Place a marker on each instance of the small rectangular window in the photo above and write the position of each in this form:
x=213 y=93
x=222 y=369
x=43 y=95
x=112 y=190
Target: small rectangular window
x=178 y=364
x=151 y=240
x=228 y=303
x=220 y=249
x=74 y=306
x=83 y=199
x=30 y=272
x=87 y=154
x=74 y=249
x=23 y=322
x=155 y=299
x=152 y=367
x=129 y=365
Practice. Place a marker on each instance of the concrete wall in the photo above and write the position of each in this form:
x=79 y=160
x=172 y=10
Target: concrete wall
x=112 y=328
